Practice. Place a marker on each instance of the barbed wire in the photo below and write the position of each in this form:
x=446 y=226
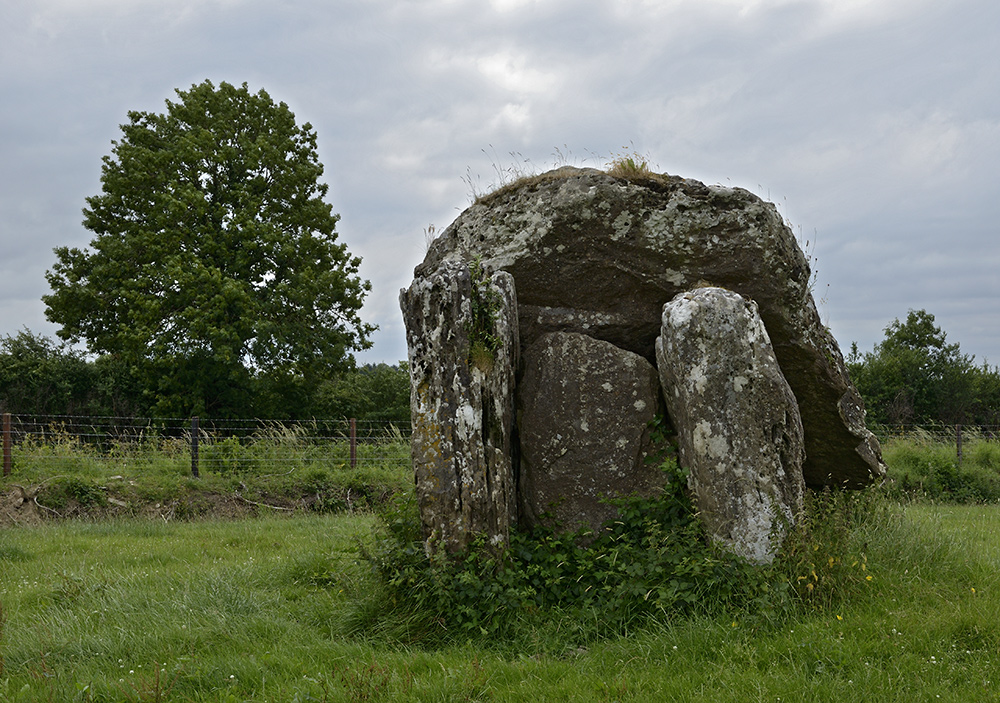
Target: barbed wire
x=938 y=432
x=111 y=426
x=51 y=443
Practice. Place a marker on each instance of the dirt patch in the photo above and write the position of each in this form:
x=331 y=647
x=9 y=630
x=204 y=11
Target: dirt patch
x=18 y=507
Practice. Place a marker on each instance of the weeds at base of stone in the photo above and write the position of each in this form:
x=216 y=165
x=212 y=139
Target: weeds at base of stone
x=653 y=563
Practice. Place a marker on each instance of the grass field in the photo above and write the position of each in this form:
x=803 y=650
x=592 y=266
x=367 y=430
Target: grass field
x=281 y=610
x=129 y=602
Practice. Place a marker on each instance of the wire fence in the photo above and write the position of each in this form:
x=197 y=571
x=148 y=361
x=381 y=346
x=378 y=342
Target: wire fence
x=50 y=443
x=958 y=436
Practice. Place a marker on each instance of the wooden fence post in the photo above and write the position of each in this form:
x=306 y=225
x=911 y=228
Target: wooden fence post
x=7 y=462
x=194 y=446
x=958 y=442
x=354 y=443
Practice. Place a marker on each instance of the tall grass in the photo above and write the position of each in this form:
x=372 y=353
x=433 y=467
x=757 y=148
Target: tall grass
x=214 y=608
x=284 y=467
x=882 y=601
x=269 y=449
x=924 y=465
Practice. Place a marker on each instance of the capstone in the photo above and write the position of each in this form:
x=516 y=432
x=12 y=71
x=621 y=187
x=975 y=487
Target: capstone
x=600 y=255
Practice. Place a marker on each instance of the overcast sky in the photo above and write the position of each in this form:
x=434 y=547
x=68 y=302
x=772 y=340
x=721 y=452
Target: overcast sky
x=874 y=125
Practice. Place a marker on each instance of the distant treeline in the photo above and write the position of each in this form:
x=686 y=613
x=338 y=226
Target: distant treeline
x=40 y=376
x=912 y=377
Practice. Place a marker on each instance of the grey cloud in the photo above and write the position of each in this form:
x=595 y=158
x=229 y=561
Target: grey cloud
x=873 y=126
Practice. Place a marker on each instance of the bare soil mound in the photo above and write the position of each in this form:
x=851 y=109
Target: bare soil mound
x=33 y=505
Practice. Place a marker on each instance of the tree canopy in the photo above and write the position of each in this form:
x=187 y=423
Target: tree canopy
x=215 y=258
x=914 y=376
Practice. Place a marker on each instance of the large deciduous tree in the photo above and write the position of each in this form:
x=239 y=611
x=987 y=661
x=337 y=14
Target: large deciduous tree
x=215 y=258
x=915 y=376
x=373 y=393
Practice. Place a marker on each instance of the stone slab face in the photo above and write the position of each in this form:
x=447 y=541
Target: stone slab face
x=738 y=425
x=462 y=408
x=600 y=255
x=584 y=407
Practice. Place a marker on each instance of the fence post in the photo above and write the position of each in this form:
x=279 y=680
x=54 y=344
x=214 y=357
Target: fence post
x=6 y=444
x=958 y=442
x=194 y=446
x=354 y=443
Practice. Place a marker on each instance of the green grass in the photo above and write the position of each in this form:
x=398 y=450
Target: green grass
x=282 y=610
x=215 y=606
x=287 y=609
x=922 y=465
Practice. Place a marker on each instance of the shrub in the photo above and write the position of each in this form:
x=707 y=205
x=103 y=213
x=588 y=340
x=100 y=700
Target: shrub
x=227 y=457
x=62 y=491
x=654 y=559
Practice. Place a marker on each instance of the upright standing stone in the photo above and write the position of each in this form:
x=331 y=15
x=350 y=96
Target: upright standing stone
x=584 y=409
x=737 y=420
x=462 y=335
